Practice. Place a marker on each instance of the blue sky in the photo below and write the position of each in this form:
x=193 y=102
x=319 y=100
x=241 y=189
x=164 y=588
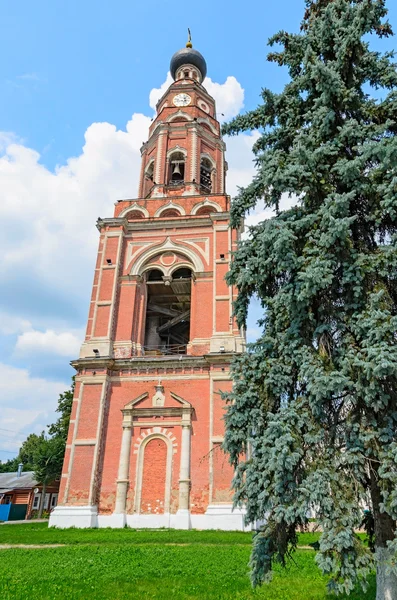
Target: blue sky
x=75 y=81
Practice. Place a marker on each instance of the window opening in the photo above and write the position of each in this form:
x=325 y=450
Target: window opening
x=150 y=171
x=167 y=328
x=134 y=215
x=206 y=174
x=177 y=168
x=170 y=212
x=205 y=210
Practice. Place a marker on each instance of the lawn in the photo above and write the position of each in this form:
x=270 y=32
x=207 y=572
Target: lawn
x=161 y=564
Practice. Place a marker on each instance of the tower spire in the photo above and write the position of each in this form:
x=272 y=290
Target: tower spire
x=189 y=39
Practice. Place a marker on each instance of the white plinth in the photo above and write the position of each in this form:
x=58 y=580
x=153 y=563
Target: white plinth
x=217 y=516
x=81 y=517
x=221 y=516
x=182 y=519
x=115 y=520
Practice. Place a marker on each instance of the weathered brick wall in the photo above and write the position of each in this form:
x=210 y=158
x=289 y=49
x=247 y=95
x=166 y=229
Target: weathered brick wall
x=153 y=478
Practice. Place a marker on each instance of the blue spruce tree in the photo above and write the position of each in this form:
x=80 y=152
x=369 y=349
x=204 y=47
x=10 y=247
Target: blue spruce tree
x=312 y=420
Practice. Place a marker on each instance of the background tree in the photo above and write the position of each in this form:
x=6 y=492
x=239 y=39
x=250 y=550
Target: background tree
x=312 y=419
x=48 y=460
x=61 y=426
x=59 y=429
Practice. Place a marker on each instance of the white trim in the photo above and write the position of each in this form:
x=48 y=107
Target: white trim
x=205 y=202
x=177 y=115
x=140 y=467
x=175 y=149
x=207 y=122
x=170 y=204
x=134 y=206
x=165 y=246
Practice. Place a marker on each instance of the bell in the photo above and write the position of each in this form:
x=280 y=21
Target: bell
x=176 y=170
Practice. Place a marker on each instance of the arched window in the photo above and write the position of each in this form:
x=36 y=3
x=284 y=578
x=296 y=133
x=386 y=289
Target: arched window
x=182 y=273
x=133 y=215
x=149 y=171
x=205 y=210
x=206 y=174
x=170 y=212
x=154 y=275
x=149 y=177
x=176 y=168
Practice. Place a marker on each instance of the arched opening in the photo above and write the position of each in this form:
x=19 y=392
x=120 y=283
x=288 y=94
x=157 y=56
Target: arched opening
x=205 y=210
x=149 y=177
x=206 y=174
x=155 y=275
x=133 y=215
x=167 y=327
x=170 y=212
x=176 y=168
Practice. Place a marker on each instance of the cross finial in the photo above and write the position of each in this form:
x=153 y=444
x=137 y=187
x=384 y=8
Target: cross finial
x=189 y=39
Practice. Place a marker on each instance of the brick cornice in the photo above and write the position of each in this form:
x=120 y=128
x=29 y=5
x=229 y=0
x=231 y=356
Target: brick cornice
x=118 y=364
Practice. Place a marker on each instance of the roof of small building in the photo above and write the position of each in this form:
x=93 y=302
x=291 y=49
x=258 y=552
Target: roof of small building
x=11 y=481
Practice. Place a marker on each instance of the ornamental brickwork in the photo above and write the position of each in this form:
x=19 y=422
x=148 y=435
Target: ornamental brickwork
x=144 y=445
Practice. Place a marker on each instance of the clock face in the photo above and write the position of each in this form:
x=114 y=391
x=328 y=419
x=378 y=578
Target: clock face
x=182 y=100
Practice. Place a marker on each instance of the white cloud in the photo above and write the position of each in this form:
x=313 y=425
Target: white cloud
x=157 y=93
x=51 y=234
x=261 y=213
x=35 y=399
x=229 y=96
x=10 y=324
x=50 y=240
x=42 y=342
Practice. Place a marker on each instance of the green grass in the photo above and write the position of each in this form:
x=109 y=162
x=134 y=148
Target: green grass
x=161 y=565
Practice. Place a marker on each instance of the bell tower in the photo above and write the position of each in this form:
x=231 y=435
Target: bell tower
x=144 y=445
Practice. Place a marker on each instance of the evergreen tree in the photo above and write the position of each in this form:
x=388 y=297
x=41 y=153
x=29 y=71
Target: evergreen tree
x=311 y=423
x=61 y=427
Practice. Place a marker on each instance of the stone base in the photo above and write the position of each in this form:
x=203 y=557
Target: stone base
x=182 y=519
x=217 y=516
x=81 y=517
x=221 y=516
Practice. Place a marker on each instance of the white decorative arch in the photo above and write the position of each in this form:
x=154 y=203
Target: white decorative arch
x=206 y=202
x=176 y=149
x=210 y=158
x=152 y=267
x=139 y=448
x=134 y=206
x=208 y=122
x=178 y=115
x=167 y=246
x=150 y=164
x=170 y=204
x=177 y=266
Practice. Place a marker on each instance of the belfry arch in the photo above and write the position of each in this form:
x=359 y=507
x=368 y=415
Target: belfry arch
x=168 y=311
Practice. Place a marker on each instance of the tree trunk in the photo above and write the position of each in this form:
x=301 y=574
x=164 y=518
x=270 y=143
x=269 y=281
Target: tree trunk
x=42 y=500
x=386 y=582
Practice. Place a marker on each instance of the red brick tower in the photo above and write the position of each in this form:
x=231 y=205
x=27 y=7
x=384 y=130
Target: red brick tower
x=144 y=445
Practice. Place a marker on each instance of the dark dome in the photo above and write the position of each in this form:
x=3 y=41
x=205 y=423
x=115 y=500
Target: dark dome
x=188 y=56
